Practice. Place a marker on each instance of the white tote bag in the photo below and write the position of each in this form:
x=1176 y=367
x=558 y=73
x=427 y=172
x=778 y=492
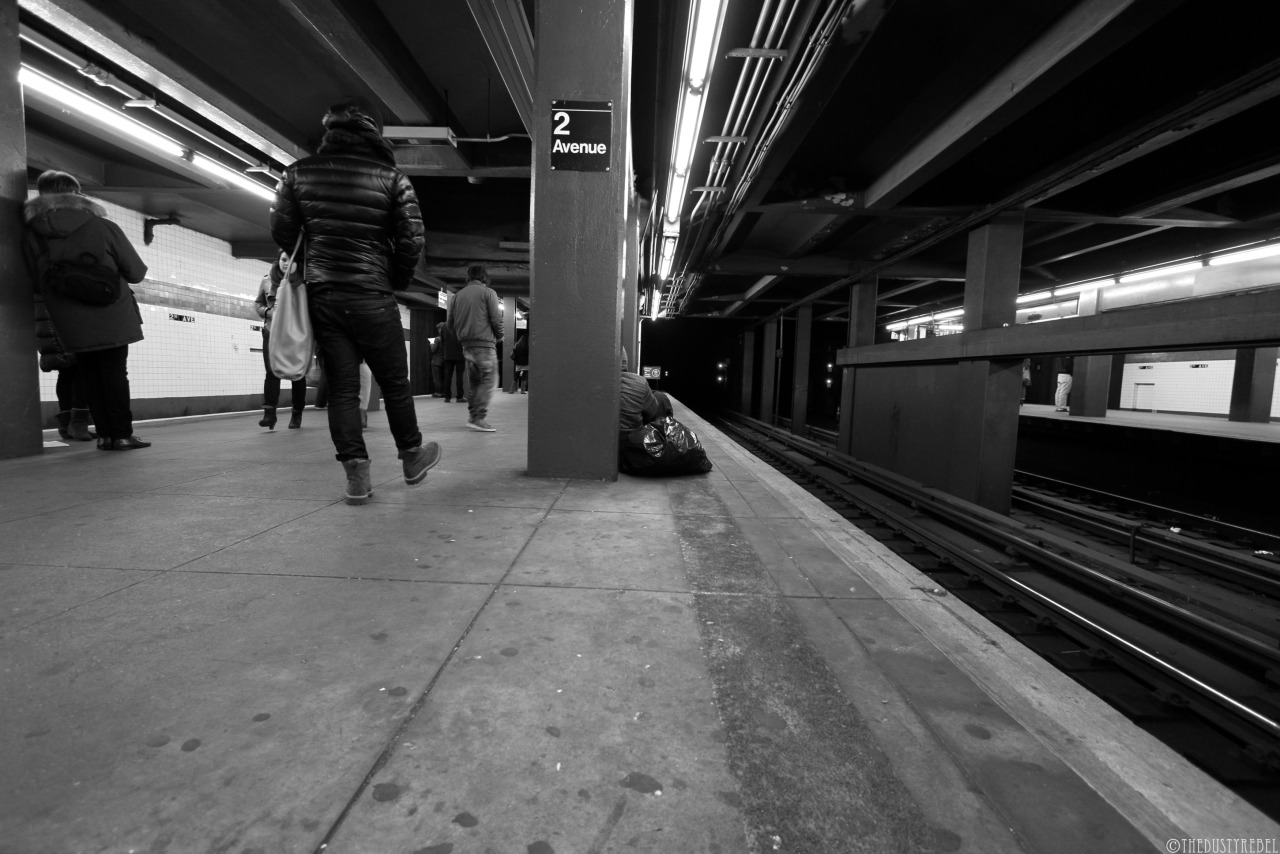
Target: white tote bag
x=293 y=343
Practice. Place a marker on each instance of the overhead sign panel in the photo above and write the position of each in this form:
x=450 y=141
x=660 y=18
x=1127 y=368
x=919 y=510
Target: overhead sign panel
x=581 y=133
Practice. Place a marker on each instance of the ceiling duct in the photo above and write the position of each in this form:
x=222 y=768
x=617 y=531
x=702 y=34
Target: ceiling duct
x=422 y=149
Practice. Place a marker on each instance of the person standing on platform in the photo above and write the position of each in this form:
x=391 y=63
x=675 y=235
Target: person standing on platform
x=520 y=358
x=455 y=365
x=362 y=236
x=1062 y=398
x=475 y=317
x=63 y=224
x=437 y=361
x=265 y=304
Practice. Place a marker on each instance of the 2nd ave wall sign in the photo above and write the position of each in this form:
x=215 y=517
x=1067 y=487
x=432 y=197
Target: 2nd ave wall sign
x=581 y=132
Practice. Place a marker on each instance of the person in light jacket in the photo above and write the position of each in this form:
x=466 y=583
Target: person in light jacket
x=265 y=304
x=63 y=224
x=476 y=319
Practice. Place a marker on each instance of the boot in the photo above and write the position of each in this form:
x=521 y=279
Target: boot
x=359 y=489
x=64 y=421
x=79 y=426
x=295 y=420
x=268 y=417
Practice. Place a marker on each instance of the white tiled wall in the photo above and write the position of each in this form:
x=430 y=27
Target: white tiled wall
x=210 y=355
x=1180 y=387
x=181 y=256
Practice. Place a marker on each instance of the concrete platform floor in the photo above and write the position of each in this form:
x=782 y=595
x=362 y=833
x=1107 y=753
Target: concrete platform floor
x=206 y=650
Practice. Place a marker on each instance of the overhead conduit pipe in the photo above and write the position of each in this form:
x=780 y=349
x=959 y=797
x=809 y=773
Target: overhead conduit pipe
x=801 y=73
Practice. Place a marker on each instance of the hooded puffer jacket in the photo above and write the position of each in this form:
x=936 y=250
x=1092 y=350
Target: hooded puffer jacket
x=72 y=224
x=361 y=218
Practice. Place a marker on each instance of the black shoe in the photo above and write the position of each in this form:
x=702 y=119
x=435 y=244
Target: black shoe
x=129 y=444
x=268 y=419
x=295 y=420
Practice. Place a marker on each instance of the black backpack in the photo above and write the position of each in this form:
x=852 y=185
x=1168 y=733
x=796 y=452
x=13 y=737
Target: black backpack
x=84 y=279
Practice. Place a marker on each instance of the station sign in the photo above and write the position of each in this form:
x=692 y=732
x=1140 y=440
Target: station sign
x=651 y=372
x=581 y=134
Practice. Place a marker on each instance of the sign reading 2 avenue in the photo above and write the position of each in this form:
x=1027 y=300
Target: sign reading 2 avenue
x=581 y=133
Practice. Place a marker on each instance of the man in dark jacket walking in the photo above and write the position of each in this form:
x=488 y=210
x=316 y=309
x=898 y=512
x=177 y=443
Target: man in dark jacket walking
x=475 y=317
x=362 y=236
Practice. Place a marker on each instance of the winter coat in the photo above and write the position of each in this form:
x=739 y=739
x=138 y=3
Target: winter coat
x=520 y=352
x=72 y=224
x=53 y=356
x=474 y=316
x=265 y=302
x=452 y=347
x=437 y=348
x=361 y=220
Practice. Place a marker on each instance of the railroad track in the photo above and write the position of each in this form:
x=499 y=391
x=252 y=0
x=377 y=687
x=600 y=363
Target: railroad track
x=1174 y=620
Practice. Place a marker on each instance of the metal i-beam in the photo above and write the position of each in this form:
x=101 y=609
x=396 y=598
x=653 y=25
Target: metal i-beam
x=372 y=56
x=87 y=24
x=506 y=33
x=1034 y=75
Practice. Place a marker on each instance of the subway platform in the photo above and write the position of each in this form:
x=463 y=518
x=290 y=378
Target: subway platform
x=206 y=650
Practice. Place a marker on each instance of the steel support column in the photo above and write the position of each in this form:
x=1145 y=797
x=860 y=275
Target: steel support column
x=508 y=368
x=579 y=241
x=768 y=371
x=19 y=386
x=631 y=286
x=1091 y=376
x=800 y=371
x=748 y=370
x=984 y=430
x=861 y=333
x=1253 y=384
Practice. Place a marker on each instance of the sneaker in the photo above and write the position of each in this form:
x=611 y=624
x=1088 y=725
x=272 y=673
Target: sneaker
x=481 y=425
x=418 y=461
x=1061 y=409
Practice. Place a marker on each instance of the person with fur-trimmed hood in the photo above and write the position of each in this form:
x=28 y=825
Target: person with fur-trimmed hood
x=63 y=224
x=362 y=236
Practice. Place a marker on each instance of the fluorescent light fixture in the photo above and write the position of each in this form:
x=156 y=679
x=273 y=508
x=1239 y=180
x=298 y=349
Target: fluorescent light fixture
x=668 y=256
x=951 y=327
x=97 y=111
x=1246 y=255
x=1084 y=286
x=231 y=176
x=946 y=315
x=687 y=132
x=895 y=327
x=1158 y=272
x=1036 y=297
x=705 y=30
x=675 y=198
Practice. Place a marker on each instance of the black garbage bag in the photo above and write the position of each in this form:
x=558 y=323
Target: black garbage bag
x=661 y=448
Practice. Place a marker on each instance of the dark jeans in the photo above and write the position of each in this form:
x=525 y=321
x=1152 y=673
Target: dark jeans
x=105 y=374
x=453 y=373
x=354 y=328
x=437 y=378
x=271 y=385
x=70 y=389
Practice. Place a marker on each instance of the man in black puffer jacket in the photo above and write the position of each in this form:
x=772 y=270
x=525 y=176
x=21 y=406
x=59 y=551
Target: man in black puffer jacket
x=362 y=236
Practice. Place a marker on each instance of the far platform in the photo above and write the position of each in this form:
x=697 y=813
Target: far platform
x=206 y=649
x=1204 y=425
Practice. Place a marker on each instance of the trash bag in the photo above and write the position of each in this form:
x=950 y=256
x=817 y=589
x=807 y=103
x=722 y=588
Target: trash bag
x=661 y=448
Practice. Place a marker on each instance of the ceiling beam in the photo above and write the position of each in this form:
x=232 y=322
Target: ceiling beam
x=370 y=47
x=84 y=22
x=1231 y=179
x=755 y=291
x=1207 y=109
x=510 y=41
x=1049 y=63
x=1151 y=134
x=1187 y=218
